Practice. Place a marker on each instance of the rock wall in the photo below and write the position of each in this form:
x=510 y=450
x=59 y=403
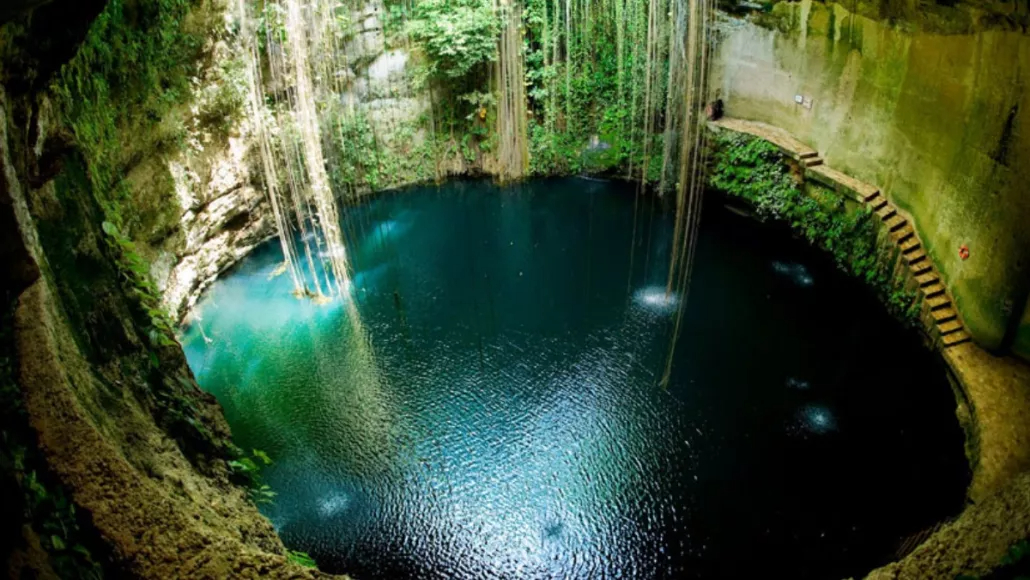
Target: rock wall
x=380 y=75
x=200 y=206
x=391 y=109
x=933 y=111
x=113 y=462
x=162 y=507
x=203 y=207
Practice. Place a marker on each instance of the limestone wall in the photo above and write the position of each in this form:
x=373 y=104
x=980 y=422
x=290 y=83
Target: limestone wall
x=939 y=121
x=203 y=207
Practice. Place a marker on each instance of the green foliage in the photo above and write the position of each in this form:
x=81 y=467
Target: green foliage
x=753 y=169
x=131 y=70
x=1018 y=553
x=359 y=160
x=223 y=103
x=117 y=95
x=302 y=558
x=247 y=471
x=136 y=279
x=59 y=528
x=356 y=156
x=583 y=81
x=458 y=36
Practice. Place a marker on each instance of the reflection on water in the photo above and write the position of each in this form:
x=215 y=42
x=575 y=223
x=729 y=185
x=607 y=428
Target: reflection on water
x=796 y=273
x=657 y=299
x=486 y=405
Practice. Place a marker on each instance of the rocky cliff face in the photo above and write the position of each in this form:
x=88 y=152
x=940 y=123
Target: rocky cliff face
x=204 y=205
x=930 y=106
x=112 y=461
x=201 y=204
x=380 y=76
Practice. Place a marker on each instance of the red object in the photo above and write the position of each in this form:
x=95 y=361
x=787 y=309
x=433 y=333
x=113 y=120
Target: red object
x=963 y=252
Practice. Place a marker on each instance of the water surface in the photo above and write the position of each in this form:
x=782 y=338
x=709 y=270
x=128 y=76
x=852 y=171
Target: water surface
x=487 y=406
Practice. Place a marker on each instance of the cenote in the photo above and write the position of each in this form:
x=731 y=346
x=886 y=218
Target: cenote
x=487 y=404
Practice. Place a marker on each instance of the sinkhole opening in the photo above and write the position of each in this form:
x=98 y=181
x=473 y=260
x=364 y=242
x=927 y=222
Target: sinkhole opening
x=486 y=404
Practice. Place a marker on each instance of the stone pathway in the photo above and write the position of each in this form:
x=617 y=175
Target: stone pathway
x=997 y=391
x=946 y=327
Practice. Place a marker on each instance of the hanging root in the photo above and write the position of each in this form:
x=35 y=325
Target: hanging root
x=693 y=153
x=513 y=151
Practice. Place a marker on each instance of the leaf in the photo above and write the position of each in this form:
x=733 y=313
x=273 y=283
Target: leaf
x=262 y=456
x=109 y=229
x=302 y=558
x=57 y=542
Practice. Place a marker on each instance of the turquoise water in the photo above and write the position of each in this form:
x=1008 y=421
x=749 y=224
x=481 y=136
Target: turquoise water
x=486 y=406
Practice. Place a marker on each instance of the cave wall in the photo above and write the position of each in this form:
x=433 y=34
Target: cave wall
x=113 y=462
x=198 y=205
x=202 y=205
x=931 y=106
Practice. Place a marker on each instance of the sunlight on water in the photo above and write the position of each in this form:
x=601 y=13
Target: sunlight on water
x=818 y=419
x=797 y=273
x=333 y=504
x=797 y=384
x=656 y=299
x=494 y=411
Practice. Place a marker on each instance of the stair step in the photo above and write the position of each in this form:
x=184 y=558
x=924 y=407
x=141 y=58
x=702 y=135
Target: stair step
x=921 y=267
x=938 y=302
x=928 y=278
x=903 y=234
x=812 y=161
x=870 y=195
x=910 y=245
x=915 y=256
x=955 y=338
x=933 y=290
x=943 y=315
x=886 y=212
x=949 y=327
x=808 y=154
x=895 y=222
x=878 y=202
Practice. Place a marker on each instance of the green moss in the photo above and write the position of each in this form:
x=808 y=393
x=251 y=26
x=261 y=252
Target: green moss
x=753 y=169
x=132 y=69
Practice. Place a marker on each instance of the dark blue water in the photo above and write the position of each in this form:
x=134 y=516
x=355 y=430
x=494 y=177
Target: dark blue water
x=487 y=405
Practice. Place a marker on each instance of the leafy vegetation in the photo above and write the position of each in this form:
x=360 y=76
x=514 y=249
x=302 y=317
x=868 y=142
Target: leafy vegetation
x=132 y=69
x=586 y=74
x=136 y=276
x=302 y=558
x=247 y=471
x=753 y=169
x=458 y=36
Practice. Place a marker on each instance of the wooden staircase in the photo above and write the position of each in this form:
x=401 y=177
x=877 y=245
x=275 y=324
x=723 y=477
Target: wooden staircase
x=947 y=327
x=935 y=294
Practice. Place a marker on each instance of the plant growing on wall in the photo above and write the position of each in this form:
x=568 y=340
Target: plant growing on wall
x=753 y=169
x=458 y=36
